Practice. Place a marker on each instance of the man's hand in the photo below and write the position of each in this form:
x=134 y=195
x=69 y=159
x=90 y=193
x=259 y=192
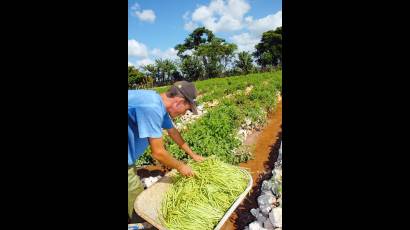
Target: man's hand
x=174 y=134
x=197 y=157
x=185 y=170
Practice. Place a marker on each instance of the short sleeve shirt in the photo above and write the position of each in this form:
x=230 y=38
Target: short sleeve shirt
x=147 y=117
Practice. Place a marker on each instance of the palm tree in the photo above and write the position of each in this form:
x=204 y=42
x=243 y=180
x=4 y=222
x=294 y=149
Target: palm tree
x=160 y=65
x=151 y=71
x=244 y=62
x=168 y=69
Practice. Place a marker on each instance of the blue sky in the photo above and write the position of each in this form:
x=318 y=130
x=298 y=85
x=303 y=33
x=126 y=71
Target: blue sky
x=156 y=26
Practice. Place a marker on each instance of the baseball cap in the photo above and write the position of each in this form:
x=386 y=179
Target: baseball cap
x=188 y=90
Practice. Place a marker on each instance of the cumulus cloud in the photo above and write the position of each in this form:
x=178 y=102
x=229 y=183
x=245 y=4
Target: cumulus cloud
x=136 y=48
x=261 y=25
x=144 y=61
x=245 y=41
x=170 y=53
x=218 y=16
x=143 y=15
x=189 y=26
x=143 y=56
x=146 y=15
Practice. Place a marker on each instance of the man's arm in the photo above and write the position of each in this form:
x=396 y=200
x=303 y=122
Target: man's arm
x=159 y=153
x=176 y=136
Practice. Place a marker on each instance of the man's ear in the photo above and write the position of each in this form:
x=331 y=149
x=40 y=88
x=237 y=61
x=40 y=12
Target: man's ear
x=180 y=101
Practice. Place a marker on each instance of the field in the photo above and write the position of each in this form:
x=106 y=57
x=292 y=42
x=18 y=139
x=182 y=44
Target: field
x=230 y=108
x=239 y=122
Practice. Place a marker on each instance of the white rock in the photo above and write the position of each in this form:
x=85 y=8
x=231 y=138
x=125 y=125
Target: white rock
x=261 y=218
x=278 y=164
x=267 y=192
x=273 y=173
x=256 y=226
x=275 y=217
x=278 y=174
x=254 y=212
x=266 y=199
x=280 y=202
x=280 y=152
x=266 y=185
x=275 y=188
x=265 y=209
x=268 y=225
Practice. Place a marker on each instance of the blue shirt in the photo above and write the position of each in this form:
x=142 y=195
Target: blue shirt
x=147 y=117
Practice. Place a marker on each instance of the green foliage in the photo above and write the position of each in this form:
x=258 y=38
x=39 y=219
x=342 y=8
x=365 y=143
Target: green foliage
x=136 y=78
x=192 y=68
x=244 y=62
x=166 y=69
x=269 y=49
x=214 y=53
x=215 y=132
x=202 y=56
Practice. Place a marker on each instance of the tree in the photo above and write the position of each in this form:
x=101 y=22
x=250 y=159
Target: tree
x=194 y=40
x=244 y=62
x=192 y=68
x=216 y=55
x=269 y=49
x=227 y=54
x=165 y=71
x=135 y=78
x=169 y=68
x=214 y=52
x=150 y=70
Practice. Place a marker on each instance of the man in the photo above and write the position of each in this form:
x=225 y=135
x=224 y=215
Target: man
x=149 y=113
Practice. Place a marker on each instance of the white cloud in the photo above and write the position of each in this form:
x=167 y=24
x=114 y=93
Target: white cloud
x=153 y=54
x=145 y=61
x=170 y=53
x=190 y=26
x=228 y=16
x=261 y=25
x=146 y=15
x=246 y=41
x=202 y=13
x=238 y=8
x=136 y=48
x=219 y=15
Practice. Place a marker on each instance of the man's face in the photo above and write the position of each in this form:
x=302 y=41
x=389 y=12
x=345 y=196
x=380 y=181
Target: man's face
x=178 y=107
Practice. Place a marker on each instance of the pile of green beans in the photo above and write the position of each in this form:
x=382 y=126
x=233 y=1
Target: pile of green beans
x=199 y=202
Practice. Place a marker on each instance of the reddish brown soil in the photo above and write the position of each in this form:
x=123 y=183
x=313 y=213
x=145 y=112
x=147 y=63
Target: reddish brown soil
x=267 y=143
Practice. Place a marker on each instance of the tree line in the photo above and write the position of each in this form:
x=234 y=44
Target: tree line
x=202 y=55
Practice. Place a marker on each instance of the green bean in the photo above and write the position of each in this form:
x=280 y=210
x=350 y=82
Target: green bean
x=200 y=202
